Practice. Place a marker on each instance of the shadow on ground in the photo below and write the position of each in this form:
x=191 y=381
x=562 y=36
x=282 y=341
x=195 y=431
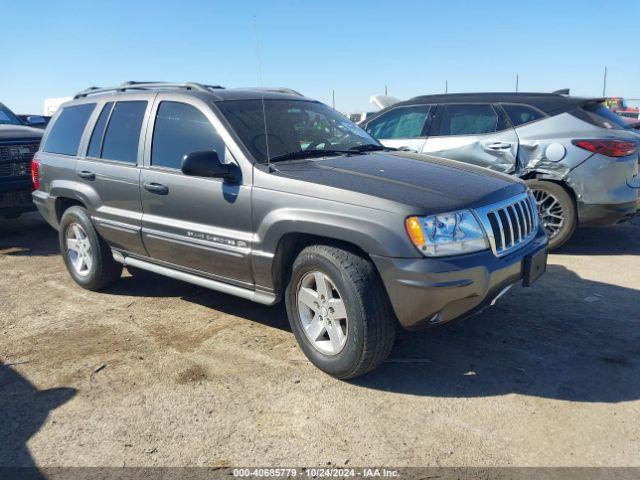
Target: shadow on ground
x=24 y=409
x=623 y=239
x=28 y=235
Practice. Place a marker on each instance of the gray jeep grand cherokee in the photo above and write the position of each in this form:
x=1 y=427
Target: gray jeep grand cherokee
x=268 y=195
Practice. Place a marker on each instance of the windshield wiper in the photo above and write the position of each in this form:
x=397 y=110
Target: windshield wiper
x=369 y=147
x=310 y=154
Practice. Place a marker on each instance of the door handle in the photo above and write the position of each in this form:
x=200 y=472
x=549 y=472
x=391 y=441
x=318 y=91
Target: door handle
x=499 y=146
x=87 y=175
x=154 y=187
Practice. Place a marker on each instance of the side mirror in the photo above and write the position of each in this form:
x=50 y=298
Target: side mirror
x=36 y=120
x=206 y=163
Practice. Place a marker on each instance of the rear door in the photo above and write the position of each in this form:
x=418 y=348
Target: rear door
x=473 y=133
x=110 y=171
x=404 y=127
x=200 y=224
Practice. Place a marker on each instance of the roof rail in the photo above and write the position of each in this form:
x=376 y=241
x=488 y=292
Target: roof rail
x=131 y=85
x=562 y=91
x=279 y=90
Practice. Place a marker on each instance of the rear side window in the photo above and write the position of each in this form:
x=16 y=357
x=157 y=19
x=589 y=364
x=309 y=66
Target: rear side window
x=95 y=144
x=64 y=137
x=401 y=122
x=599 y=115
x=123 y=132
x=520 y=114
x=468 y=120
x=180 y=129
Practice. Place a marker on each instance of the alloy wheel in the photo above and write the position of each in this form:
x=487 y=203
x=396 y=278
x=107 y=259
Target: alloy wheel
x=552 y=215
x=79 y=249
x=322 y=313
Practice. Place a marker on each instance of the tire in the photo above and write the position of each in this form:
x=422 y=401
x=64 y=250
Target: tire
x=96 y=269
x=368 y=329
x=546 y=194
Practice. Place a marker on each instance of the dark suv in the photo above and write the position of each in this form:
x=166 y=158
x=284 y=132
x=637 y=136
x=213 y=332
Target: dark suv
x=268 y=195
x=18 y=143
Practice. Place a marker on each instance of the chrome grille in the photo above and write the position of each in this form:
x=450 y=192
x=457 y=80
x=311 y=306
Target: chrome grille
x=510 y=224
x=15 y=159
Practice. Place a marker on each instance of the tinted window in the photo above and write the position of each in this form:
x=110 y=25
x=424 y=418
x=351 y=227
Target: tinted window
x=467 y=120
x=599 y=115
x=181 y=129
x=65 y=135
x=7 y=117
x=401 y=122
x=123 y=132
x=519 y=114
x=98 y=132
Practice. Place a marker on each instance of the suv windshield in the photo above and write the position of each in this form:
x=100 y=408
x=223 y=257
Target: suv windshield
x=293 y=128
x=7 y=117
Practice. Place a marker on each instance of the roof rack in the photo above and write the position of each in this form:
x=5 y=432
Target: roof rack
x=147 y=86
x=279 y=90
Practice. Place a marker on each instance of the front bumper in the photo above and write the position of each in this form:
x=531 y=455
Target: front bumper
x=15 y=197
x=429 y=291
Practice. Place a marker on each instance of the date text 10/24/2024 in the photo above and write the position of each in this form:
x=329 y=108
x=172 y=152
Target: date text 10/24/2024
x=315 y=472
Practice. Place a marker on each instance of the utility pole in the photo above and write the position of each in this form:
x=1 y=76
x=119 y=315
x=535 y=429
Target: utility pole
x=517 y=78
x=446 y=86
x=385 y=90
x=333 y=99
x=604 y=83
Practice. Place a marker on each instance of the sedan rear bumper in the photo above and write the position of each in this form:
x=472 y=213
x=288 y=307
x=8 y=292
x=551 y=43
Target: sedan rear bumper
x=590 y=215
x=428 y=291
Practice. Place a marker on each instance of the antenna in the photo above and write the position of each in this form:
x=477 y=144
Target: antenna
x=604 y=83
x=264 y=110
x=333 y=99
x=446 y=86
x=517 y=78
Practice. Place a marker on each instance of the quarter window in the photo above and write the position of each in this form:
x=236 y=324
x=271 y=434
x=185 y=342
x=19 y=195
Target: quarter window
x=95 y=144
x=67 y=130
x=519 y=114
x=467 y=120
x=401 y=122
x=180 y=129
x=123 y=132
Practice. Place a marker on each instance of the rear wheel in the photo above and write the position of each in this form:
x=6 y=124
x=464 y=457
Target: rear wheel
x=558 y=213
x=339 y=311
x=87 y=256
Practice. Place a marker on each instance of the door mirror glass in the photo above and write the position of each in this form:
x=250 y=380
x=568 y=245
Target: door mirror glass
x=206 y=163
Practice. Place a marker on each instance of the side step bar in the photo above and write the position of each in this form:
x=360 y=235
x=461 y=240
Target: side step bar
x=253 y=295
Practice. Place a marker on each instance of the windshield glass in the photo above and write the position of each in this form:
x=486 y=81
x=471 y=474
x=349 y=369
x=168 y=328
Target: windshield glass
x=7 y=117
x=293 y=126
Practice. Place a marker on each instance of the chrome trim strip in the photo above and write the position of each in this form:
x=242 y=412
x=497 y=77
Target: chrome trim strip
x=248 y=294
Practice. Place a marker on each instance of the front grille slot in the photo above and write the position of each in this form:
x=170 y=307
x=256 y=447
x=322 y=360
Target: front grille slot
x=15 y=159
x=510 y=224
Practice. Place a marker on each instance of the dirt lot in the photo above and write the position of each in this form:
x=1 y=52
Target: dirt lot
x=164 y=373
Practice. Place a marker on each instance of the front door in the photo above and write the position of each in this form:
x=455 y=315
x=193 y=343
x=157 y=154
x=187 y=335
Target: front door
x=473 y=133
x=202 y=225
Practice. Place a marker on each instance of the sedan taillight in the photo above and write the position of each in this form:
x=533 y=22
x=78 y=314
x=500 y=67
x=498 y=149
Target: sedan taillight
x=608 y=148
x=35 y=173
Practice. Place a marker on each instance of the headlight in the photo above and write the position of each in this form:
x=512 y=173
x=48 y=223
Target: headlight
x=447 y=234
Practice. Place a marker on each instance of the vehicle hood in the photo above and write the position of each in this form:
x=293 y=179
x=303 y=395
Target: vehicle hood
x=425 y=183
x=19 y=132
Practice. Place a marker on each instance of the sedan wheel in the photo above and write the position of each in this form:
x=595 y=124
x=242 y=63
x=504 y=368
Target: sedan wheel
x=322 y=313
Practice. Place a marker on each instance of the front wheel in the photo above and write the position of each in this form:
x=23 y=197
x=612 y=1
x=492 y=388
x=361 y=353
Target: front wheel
x=339 y=311
x=558 y=213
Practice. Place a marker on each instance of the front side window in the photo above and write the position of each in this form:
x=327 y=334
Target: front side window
x=293 y=127
x=180 y=129
x=401 y=122
x=467 y=120
x=122 y=136
x=520 y=114
x=64 y=137
x=7 y=117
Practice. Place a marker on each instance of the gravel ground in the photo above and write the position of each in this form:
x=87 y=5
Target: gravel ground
x=164 y=373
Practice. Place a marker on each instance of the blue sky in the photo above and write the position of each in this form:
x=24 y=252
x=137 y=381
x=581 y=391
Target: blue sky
x=56 y=48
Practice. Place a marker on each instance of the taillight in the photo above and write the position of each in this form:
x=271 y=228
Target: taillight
x=608 y=148
x=35 y=173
